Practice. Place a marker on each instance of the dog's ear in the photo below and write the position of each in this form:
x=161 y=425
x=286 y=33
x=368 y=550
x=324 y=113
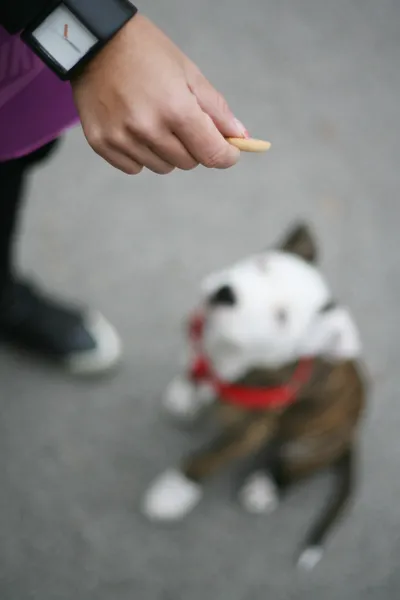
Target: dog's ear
x=301 y=242
x=333 y=334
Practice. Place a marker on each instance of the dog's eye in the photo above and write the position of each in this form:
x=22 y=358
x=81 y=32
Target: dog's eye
x=281 y=316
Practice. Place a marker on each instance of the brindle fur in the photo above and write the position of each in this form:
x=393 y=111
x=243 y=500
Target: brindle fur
x=322 y=424
x=319 y=431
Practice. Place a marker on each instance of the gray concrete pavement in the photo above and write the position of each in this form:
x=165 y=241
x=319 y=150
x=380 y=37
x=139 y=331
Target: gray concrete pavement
x=321 y=80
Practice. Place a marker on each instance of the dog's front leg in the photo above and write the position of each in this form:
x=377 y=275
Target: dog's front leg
x=260 y=485
x=177 y=492
x=185 y=400
x=234 y=443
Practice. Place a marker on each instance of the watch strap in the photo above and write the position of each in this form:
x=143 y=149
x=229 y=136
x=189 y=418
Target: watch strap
x=103 y=17
x=15 y=15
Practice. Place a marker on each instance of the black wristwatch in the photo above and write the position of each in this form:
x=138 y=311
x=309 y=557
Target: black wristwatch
x=71 y=32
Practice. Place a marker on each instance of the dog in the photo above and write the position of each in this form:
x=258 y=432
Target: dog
x=277 y=361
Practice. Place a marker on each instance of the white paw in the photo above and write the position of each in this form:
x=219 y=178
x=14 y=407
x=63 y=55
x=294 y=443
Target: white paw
x=171 y=497
x=184 y=401
x=259 y=494
x=309 y=558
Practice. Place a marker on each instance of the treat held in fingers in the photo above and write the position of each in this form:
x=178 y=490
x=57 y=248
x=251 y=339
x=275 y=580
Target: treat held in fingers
x=249 y=144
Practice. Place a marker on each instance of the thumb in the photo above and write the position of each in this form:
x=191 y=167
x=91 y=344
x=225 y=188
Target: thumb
x=216 y=107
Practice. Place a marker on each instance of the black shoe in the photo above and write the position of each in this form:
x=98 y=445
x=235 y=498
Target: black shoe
x=84 y=343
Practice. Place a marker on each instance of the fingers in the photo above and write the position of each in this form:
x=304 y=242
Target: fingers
x=160 y=152
x=171 y=149
x=110 y=149
x=203 y=141
x=124 y=143
x=149 y=159
x=214 y=104
x=183 y=139
x=125 y=153
x=121 y=161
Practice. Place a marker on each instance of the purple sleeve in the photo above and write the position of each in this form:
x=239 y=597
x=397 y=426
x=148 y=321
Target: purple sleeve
x=35 y=106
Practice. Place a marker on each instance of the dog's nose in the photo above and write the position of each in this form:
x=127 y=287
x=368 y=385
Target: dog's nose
x=224 y=296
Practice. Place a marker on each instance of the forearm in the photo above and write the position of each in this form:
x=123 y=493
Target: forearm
x=16 y=14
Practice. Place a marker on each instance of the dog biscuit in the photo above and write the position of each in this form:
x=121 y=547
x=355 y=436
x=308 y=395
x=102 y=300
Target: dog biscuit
x=249 y=144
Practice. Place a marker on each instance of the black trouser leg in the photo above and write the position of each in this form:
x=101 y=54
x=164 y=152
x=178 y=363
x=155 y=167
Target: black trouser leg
x=12 y=179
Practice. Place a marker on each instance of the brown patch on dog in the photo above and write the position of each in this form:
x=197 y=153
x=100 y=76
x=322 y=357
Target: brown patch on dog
x=318 y=431
x=325 y=419
x=322 y=422
x=245 y=437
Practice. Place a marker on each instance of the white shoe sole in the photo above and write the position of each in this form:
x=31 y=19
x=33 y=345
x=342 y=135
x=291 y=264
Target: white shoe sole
x=108 y=349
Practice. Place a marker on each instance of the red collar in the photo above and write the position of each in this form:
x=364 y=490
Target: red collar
x=248 y=397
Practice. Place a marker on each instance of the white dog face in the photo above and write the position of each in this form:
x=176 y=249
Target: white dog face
x=273 y=308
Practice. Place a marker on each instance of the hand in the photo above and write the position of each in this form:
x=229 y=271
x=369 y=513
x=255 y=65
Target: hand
x=143 y=103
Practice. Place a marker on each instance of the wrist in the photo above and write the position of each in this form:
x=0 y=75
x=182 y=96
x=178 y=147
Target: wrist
x=71 y=32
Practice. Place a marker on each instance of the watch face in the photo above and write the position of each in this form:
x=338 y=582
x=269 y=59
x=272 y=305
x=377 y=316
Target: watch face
x=64 y=38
